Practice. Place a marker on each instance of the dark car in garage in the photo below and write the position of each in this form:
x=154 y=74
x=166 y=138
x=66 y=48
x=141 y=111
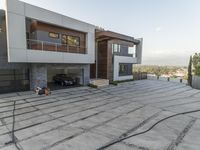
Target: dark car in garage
x=63 y=80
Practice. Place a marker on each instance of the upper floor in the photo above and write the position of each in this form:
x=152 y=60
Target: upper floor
x=119 y=45
x=46 y=37
x=36 y=35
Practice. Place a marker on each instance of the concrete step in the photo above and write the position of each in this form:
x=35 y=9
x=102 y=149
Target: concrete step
x=99 y=82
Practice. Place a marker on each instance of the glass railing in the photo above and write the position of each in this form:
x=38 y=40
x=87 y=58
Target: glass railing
x=55 y=47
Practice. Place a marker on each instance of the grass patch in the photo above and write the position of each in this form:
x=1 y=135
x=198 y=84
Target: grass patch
x=117 y=82
x=129 y=80
x=113 y=83
x=92 y=86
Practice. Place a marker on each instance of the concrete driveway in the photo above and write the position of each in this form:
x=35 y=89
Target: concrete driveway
x=85 y=118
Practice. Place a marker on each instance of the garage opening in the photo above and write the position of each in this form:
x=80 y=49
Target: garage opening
x=14 y=80
x=59 y=78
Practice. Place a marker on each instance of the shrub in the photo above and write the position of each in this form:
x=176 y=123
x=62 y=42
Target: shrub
x=190 y=72
x=197 y=70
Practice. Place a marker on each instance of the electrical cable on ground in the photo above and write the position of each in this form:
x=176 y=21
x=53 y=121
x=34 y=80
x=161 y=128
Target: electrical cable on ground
x=13 y=130
x=158 y=122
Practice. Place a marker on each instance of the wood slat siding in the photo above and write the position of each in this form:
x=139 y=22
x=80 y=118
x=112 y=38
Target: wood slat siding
x=102 y=60
x=55 y=29
x=110 y=61
x=93 y=71
x=114 y=35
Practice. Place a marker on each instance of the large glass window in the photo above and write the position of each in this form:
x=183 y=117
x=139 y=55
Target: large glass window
x=125 y=69
x=64 y=39
x=71 y=40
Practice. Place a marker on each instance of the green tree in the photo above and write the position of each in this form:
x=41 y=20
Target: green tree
x=190 y=72
x=197 y=70
x=196 y=59
x=158 y=71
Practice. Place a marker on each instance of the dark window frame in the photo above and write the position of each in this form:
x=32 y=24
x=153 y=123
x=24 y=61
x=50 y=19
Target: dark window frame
x=125 y=71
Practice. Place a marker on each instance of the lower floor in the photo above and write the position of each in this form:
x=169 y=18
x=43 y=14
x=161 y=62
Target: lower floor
x=87 y=118
x=120 y=71
x=22 y=77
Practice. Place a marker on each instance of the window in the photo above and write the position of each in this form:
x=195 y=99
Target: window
x=71 y=40
x=125 y=69
x=64 y=39
x=132 y=50
x=116 y=48
x=54 y=35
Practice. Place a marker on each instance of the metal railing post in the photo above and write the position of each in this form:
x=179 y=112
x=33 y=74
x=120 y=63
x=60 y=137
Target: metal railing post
x=67 y=48
x=56 y=47
x=42 y=45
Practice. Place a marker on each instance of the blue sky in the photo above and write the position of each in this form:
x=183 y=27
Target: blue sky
x=170 y=28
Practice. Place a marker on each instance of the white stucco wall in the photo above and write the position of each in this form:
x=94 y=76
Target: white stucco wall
x=117 y=61
x=17 y=11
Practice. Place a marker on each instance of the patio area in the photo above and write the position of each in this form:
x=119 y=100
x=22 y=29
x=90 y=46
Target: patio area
x=85 y=118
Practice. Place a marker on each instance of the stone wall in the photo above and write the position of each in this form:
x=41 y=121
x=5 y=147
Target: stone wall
x=38 y=76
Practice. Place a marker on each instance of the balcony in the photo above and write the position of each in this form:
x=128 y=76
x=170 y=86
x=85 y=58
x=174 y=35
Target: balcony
x=54 y=47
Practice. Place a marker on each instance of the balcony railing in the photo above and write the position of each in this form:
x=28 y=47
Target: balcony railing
x=126 y=55
x=55 y=47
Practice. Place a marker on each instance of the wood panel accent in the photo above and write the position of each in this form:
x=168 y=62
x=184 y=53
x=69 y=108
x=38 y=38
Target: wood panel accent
x=110 y=62
x=114 y=35
x=93 y=71
x=102 y=60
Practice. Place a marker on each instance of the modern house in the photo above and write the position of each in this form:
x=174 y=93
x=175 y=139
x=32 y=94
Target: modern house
x=36 y=44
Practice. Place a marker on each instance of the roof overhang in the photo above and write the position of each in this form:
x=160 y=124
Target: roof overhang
x=109 y=35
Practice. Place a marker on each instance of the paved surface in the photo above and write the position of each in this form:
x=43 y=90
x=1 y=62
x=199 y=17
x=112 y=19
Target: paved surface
x=85 y=118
